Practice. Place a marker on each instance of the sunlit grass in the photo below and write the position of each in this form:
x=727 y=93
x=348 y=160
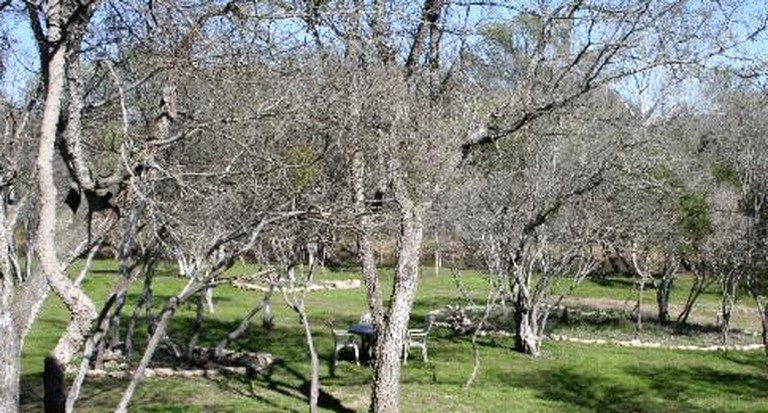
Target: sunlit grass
x=567 y=378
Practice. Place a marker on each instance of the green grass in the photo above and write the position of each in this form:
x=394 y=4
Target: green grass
x=567 y=378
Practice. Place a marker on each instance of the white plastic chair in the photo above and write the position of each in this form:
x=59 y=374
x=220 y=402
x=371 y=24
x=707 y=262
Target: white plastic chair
x=417 y=337
x=343 y=339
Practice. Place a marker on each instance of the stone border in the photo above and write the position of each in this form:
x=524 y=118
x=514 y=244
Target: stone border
x=646 y=344
x=169 y=372
x=350 y=284
x=246 y=364
x=619 y=343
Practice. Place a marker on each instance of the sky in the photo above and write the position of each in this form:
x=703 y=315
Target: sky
x=21 y=58
x=22 y=61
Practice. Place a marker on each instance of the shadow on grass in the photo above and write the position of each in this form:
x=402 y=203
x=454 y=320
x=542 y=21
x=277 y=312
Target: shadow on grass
x=619 y=280
x=649 y=389
x=682 y=383
x=285 y=380
x=589 y=391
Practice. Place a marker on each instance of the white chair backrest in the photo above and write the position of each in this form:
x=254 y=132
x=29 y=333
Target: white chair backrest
x=428 y=321
x=366 y=318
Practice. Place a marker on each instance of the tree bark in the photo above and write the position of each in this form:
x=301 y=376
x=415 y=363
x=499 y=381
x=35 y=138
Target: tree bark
x=639 y=308
x=728 y=283
x=79 y=305
x=145 y=300
x=10 y=362
x=365 y=249
x=699 y=285
x=197 y=327
x=241 y=328
x=389 y=343
x=314 y=362
x=764 y=333
x=664 y=289
x=662 y=300
x=526 y=319
x=10 y=342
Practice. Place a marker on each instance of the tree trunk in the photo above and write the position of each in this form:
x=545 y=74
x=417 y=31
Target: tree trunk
x=241 y=328
x=389 y=345
x=726 y=305
x=698 y=286
x=79 y=305
x=91 y=346
x=10 y=342
x=198 y=325
x=639 y=308
x=154 y=341
x=764 y=335
x=525 y=319
x=438 y=255
x=53 y=382
x=664 y=288
x=662 y=300
x=145 y=300
x=314 y=362
x=365 y=248
x=10 y=362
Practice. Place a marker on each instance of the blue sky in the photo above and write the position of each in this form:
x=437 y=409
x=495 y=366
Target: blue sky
x=22 y=60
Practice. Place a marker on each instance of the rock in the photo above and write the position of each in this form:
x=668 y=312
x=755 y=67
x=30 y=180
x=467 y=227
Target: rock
x=96 y=374
x=165 y=372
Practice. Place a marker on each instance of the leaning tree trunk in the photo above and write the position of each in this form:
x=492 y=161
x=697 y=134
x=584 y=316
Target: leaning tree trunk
x=154 y=341
x=314 y=362
x=54 y=401
x=144 y=301
x=79 y=305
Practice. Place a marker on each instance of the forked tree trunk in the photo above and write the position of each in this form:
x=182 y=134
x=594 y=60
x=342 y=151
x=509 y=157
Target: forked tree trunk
x=664 y=289
x=390 y=328
x=700 y=284
x=662 y=300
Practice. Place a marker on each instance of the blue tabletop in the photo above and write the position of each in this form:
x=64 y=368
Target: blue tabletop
x=362 y=329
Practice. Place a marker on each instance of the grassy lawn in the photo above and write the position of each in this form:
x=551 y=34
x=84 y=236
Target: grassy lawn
x=567 y=378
